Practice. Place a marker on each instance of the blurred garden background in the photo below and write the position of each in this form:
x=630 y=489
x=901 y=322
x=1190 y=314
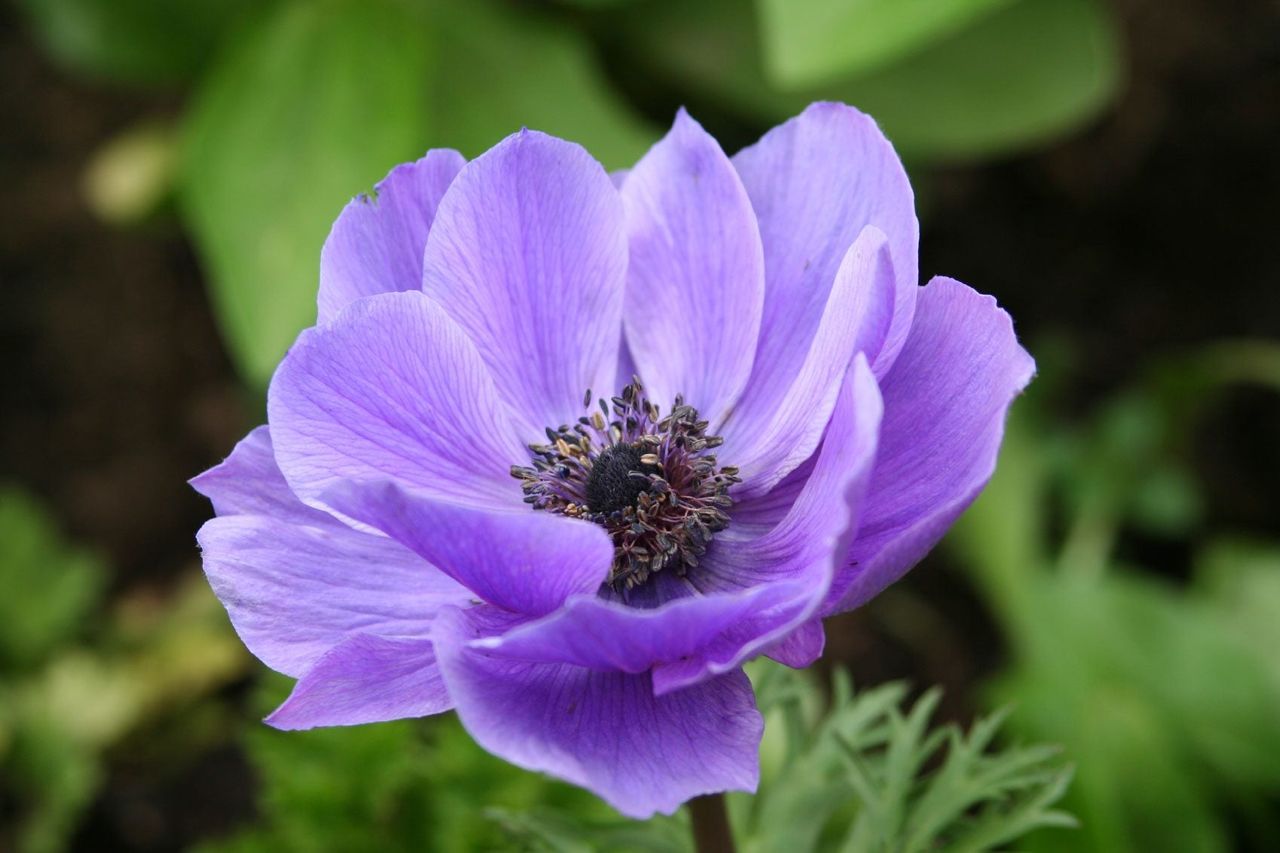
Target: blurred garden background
x=1108 y=169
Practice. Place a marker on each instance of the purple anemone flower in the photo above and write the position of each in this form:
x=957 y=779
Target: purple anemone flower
x=562 y=451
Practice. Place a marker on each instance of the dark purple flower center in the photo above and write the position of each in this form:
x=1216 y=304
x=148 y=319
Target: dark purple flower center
x=617 y=478
x=650 y=480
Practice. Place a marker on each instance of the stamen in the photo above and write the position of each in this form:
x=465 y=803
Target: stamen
x=647 y=479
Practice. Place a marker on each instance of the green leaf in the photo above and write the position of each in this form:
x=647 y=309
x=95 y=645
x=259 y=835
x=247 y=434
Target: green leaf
x=1016 y=77
x=810 y=42
x=304 y=113
x=1019 y=76
x=49 y=587
x=135 y=41
x=864 y=775
x=485 y=89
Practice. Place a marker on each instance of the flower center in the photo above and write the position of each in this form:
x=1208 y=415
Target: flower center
x=618 y=478
x=650 y=480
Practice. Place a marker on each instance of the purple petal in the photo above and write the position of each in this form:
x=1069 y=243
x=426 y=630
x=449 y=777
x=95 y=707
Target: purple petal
x=520 y=560
x=755 y=515
x=609 y=636
x=804 y=551
x=945 y=404
x=840 y=479
x=249 y=483
x=626 y=367
x=767 y=437
x=528 y=254
x=392 y=390
x=293 y=592
x=366 y=679
x=695 y=284
x=376 y=244
x=815 y=182
x=605 y=731
x=801 y=647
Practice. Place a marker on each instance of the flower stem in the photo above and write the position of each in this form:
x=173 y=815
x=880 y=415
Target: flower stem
x=711 y=832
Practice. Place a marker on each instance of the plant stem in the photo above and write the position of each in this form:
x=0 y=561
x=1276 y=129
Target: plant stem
x=711 y=832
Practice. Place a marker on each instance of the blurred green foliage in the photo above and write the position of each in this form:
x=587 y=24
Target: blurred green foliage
x=297 y=105
x=809 y=42
x=131 y=177
x=1015 y=75
x=314 y=101
x=140 y=42
x=1167 y=699
x=75 y=680
x=49 y=587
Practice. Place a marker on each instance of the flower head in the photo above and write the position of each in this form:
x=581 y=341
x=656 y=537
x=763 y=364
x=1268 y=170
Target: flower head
x=564 y=451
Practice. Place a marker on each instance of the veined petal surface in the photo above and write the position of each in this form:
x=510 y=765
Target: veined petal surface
x=606 y=731
x=376 y=244
x=366 y=679
x=695 y=284
x=815 y=182
x=393 y=389
x=522 y=561
x=945 y=403
x=528 y=254
x=769 y=437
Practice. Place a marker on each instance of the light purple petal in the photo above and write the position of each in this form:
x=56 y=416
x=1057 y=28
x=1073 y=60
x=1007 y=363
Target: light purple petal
x=695 y=284
x=801 y=647
x=605 y=731
x=248 y=483
x=528 y=254
x=376 y=244
x=803 y=552
x=293 y=592
x=768 y=437
x=815 y=182
x=392 y=390
x=366 y=679
x=519 y=559
x=945 y=404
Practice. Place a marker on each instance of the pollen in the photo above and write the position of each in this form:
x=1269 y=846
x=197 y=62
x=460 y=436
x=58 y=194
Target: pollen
x=652 y=481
